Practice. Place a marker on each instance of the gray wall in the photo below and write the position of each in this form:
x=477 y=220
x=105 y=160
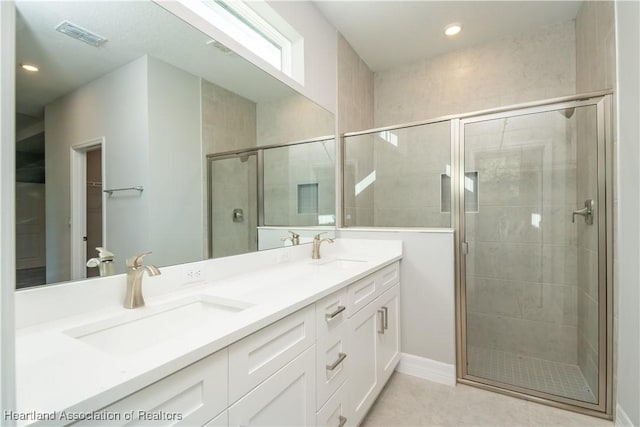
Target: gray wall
x=114 y=107
x=628 y=236
x=175 y=194
x=148 y=113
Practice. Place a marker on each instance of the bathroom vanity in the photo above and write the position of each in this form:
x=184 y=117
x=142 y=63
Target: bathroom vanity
x=270 y=338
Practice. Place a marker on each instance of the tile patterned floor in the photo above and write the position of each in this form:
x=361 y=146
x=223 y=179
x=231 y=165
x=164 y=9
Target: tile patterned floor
x=411 y=401
x=538 y=374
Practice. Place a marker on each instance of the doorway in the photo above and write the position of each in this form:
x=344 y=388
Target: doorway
x=87 y=206
x=94 y=205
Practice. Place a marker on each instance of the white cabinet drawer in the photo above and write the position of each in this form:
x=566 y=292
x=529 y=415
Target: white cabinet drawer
x=365 y=290
x=256 y=357
x=335 y=413
x=333 y=363
x=388 y=276
x=287 y=398
x=361 y=293
x=194 y=394
x=331 y=313
x=331 y=351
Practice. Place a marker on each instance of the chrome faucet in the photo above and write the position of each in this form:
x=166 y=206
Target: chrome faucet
x=295 y=238
x=316 y=245
x=135 y=271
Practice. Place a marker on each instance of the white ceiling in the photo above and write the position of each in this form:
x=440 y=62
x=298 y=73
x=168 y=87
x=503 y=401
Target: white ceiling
x=133 y=29
x=390 y=33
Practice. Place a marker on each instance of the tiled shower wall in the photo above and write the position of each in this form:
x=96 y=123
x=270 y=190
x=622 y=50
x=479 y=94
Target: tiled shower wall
x=355 y=112
x=511 y=70
x=595 y=70
x=228 y=122
x=292 y=118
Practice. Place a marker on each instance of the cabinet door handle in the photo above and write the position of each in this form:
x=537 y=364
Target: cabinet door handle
x=343 y=421
x=334 y=365
x=385 y=317
x=381 y=313
x=330 y=316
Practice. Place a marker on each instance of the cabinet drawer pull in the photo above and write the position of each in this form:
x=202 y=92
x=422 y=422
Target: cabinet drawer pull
x=343 y=421
x=381 y=325
x=386 y=317
x=339 y=310
x=334 y=365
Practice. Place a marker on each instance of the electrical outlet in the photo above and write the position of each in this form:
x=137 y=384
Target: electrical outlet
x=194 y=275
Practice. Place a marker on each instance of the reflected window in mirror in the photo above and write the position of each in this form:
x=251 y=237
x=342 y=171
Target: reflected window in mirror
x=257 y=27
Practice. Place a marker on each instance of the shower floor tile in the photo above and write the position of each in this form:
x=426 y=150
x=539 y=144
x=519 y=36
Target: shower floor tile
x=561 y=379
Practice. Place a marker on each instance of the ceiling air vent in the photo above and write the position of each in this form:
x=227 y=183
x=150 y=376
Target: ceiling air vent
x=79 y=33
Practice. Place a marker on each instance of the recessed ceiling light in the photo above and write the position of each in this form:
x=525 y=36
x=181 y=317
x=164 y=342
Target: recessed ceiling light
x=452 y=29
x=29 y=67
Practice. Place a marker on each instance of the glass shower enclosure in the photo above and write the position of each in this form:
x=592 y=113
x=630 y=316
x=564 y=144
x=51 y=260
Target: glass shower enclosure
x=527 y=190
x=533 y=250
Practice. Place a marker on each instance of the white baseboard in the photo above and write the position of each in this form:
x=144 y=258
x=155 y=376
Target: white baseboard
x=622 y=419
x=427 y=369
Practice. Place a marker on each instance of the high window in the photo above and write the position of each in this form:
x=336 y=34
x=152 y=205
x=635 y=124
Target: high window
x=257 y=27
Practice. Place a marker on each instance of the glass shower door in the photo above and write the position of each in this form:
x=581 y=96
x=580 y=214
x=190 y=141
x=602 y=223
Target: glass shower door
x=532 y=266
x=233 y=204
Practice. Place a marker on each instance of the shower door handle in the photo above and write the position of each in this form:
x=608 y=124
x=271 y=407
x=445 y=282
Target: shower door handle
x=586 y=212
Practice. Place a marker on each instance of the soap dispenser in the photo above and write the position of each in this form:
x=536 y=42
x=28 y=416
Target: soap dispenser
x=104 y=262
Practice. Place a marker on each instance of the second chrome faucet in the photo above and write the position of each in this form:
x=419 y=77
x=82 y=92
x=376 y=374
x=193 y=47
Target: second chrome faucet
x=135 y=271
x=317 y=241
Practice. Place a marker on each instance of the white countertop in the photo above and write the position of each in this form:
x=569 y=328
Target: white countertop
x=57 y=372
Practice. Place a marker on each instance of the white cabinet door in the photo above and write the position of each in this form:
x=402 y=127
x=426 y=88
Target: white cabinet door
x=363 y=372
x=191 y=396
x=287 y=398
x=388 y=347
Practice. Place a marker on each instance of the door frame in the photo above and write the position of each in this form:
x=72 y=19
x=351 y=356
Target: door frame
x=78 y=200
x=603 y=408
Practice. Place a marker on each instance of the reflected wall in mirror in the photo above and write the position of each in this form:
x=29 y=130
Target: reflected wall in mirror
x=154 y=99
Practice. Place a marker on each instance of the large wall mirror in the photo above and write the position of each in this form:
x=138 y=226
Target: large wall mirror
x=114 y=142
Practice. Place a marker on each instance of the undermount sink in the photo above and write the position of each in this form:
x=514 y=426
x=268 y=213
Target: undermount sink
x=132 y=332
x=338 y=262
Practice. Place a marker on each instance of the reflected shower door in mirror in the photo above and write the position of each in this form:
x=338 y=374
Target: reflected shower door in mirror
x=160 y=95
x=233 y=205
x=271 y=197
x=534 y=272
